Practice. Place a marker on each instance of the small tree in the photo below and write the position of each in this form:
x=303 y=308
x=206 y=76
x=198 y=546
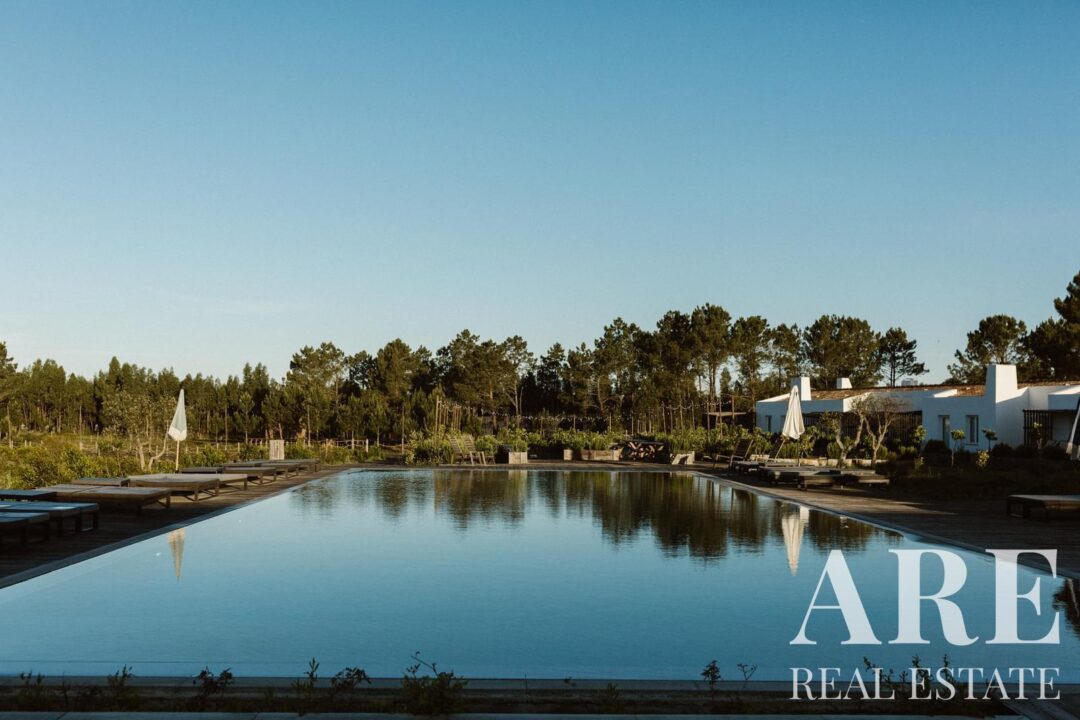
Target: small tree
x=991 y=437
x=878 y=413
x=918 y=435
x=957 y=437
x=832 y=424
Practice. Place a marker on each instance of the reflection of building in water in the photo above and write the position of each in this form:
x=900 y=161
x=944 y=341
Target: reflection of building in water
x=176 y=547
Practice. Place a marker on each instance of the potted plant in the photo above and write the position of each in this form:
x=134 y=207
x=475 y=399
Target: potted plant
x=514 y=447
x=597 y=447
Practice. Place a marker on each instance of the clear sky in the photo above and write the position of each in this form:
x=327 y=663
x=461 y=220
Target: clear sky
x=202 y=184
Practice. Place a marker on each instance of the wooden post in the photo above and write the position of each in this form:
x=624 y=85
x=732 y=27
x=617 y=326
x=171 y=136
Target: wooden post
x=177 y=456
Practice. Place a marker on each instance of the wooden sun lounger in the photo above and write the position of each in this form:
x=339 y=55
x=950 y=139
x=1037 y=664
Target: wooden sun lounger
x=129 y=498
x=59 y=512
x=864 y=478
x=737 y=455
x=178 y=484
x=463 y=447
x=1046 y=503
x=101 y=481
x=257 y=474
x=264 y=473
x=229 y=478
x=36 y=494
x=23 y=523
x=794 y=474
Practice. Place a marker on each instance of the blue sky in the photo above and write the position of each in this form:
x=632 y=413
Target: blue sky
x=202 y=184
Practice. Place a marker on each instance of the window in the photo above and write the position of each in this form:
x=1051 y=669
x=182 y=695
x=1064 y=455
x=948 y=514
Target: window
x=946 y=428
x=972 y=428
x=768 y=423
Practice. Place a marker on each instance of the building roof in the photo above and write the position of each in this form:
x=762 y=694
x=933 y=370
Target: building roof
x=964 y=390
x=960 y=390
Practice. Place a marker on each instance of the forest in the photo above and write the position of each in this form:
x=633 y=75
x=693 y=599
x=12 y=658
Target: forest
x=676 y=375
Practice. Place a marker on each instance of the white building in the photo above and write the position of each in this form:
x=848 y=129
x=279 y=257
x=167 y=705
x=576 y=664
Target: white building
x=1009 y=408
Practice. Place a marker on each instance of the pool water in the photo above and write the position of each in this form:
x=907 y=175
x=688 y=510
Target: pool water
x=493 y=573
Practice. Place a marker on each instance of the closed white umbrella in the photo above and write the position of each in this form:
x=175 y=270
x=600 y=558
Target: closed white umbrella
x=793 y=421
x=178 y=426
x=1073 y=446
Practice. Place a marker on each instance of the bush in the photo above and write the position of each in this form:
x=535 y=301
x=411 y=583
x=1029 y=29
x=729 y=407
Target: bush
x=516 y=440
x=935 y=447
x=1026 y=451
x=1002 y=450
x=487 y=444
x=1054 y=452
x=428 y=449
x=298 y=451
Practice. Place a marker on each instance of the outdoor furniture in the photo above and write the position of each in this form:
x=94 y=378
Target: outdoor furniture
x=23 y=523
x=463 y=447
x=37 y=494
x=1046 y=503
x=256 y=475
x=58 y=513
x=794 y=475
x=259 y=473
x=127 y=498
x=864 y=478
x=822 y=479
x=643 y=450
x=179 y=484
x=100 y=481
x=738 y=454
x=229 y=478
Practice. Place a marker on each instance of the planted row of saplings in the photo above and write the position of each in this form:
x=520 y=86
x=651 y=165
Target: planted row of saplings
x=423 y=690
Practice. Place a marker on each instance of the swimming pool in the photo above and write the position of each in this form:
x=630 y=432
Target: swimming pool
x=492 y=573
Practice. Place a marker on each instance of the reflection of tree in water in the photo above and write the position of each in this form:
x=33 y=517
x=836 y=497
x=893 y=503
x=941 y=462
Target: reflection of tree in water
x=1067 y=600
x=549 y=484
x=467 y=495
x=835 y=532
x=320 y=497
x=683 y=513
x=394 y=492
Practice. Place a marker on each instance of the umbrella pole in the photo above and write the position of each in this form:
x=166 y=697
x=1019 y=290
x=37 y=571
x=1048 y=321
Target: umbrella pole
x=177 y=456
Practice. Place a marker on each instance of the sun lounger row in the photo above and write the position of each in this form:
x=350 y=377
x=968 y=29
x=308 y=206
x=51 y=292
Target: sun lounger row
x=810 y=477
x=78 y=504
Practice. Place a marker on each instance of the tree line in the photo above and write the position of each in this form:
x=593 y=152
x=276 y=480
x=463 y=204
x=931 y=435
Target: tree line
x=643 y=380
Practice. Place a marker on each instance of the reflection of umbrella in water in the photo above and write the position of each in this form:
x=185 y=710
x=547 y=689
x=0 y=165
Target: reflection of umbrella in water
x=792 y=525
x=176 y=545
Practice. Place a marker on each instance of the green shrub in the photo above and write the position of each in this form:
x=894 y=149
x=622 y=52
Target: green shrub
x=516 y=440
x=426 y=449
x=299 y=451
x=487 y=444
